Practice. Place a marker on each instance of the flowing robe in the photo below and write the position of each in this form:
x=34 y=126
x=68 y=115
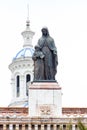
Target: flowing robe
x=38 y=65
x=49 y=50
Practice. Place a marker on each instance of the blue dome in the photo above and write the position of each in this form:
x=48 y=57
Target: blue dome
x=25 y=52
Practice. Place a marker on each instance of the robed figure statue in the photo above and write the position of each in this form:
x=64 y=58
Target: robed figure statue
x=38 y=57
x=50 y=58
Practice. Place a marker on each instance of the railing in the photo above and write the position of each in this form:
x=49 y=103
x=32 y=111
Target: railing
x=27 y=123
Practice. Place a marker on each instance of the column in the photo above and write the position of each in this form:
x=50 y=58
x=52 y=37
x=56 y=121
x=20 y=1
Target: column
x=48 y=127
x=4 y=126
x=10 y=126
x=73 y=126
x=22 y=87
x=54 y=127
x=29 y=127
x=36 y=127
x=61 y=127
x=23 y=126
x=13 y=87
x=42 y=127
x=17 y=126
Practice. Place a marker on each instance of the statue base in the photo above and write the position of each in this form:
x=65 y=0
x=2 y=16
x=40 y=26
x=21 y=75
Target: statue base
x=45 y=99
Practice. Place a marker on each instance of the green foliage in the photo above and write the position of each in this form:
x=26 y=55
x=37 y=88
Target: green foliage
x=60 y=128
x=81 y=126
x=69 y=126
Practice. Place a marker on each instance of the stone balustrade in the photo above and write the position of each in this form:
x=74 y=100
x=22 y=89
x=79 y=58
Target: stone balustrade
x=40 y=123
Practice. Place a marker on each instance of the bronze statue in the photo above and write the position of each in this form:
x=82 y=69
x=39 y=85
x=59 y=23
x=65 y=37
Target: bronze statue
x=50 y=60
x=38 y=64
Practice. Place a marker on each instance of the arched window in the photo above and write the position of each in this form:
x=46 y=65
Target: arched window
x=28 y=77
x=18 y=85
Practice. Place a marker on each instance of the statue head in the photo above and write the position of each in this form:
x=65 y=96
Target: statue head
x=37 y=48
x=45 y=31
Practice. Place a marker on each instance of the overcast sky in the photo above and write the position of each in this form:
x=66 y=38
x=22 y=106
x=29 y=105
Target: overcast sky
x=67 y=24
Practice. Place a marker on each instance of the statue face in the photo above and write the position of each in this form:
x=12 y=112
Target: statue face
x=44 y=31
x=37 y=49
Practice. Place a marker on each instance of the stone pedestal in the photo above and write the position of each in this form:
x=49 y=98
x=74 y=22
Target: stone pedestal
x=45 y=99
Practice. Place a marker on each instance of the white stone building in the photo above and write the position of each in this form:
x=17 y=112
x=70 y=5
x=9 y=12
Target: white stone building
x=22 y=70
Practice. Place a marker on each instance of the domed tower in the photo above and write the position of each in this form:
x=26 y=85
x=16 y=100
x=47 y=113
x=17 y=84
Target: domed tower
x=22 y=70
